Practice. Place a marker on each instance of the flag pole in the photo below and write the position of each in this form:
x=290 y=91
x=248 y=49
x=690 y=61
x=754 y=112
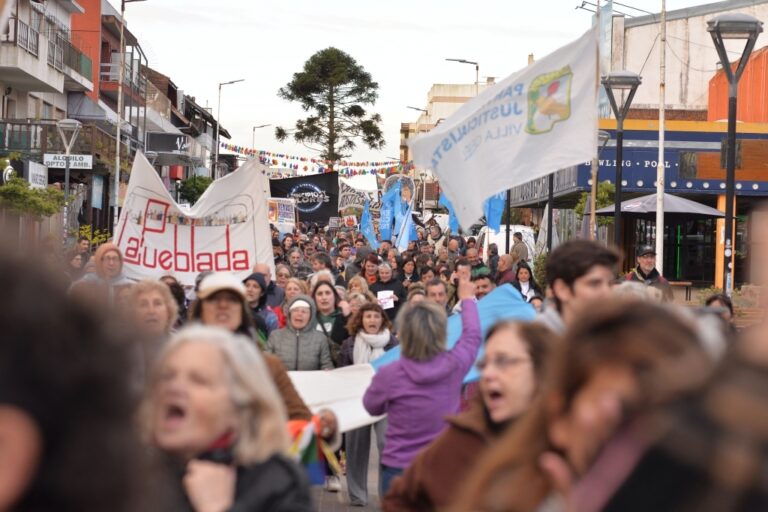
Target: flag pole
x=595 y=159
x=660 y=162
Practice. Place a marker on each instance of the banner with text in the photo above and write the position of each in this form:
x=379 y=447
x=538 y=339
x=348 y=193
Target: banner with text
x=350 y=197
x=316 y=196
x=227 y=230
x=532 y=123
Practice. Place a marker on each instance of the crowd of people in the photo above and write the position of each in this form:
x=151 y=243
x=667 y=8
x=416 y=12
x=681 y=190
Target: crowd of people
x=118 y=394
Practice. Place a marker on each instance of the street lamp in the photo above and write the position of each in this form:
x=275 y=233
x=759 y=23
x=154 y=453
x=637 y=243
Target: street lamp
x=624 y=81
x=68 y=131
x=746 y=28
x=253 y=137
x=218 y=119
x=477 y=71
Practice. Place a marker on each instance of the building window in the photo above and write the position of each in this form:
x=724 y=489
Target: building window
x=47 y=110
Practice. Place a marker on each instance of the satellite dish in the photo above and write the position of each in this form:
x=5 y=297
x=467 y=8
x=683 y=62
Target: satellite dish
x=8 y=173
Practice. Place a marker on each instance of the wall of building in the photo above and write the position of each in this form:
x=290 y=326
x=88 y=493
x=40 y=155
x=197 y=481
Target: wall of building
x=691 y=58
x=87 y=29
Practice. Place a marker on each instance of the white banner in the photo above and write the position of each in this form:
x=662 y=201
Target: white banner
x=58 y=161
x=37 y=175
x=340 y=390
x=350 y=197
x=226 y=230
x=537 y=121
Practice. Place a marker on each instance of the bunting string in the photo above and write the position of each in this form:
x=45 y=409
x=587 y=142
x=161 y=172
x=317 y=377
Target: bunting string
x=319 y=165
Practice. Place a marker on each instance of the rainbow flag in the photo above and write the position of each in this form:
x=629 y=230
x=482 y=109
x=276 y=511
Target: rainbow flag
x=309 y=450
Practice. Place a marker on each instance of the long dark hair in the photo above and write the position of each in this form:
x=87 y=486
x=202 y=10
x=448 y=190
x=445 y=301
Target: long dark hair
x=337 y=297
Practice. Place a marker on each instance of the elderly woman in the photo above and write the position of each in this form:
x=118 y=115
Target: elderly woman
x=510 y=377
x=299 y=345
x=109 y=269
x=356 y=300
x=371 y=337
x=389 y=292
x=282 y=274
x=424 y=385
x=213 y=409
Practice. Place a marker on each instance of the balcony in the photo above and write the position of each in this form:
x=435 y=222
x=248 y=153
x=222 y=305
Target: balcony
x=33 y=138
x=23 y=60
x=65 y=57
x=134 y=83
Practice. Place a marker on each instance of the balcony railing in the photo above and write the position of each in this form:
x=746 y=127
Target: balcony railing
x=23 y=36
x=62 y=54
x=24 y=136
x=131 y=77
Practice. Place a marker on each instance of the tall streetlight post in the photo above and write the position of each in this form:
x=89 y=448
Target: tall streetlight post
x=68 y=131
x=477 y=71
x=120 y=78
x=624 y=82
x=744 y=28
x=218 y=123
x=602 y=138
x=253 y=136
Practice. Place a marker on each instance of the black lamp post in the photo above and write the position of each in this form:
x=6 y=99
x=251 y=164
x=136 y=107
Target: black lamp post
x=620 y=81
x=745 y=28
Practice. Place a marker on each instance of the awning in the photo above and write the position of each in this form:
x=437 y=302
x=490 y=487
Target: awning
x=675 y=205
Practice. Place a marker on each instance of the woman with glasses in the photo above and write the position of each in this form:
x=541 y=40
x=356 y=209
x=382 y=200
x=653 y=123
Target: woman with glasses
x=510 y=377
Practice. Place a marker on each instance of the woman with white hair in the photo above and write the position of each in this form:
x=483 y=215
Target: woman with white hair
x=390 y=292
x=212 y=407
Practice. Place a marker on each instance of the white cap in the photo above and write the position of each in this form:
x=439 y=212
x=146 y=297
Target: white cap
x=219 y=281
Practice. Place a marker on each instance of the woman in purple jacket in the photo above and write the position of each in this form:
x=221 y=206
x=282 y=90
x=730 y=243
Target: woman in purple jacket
x=424 y=385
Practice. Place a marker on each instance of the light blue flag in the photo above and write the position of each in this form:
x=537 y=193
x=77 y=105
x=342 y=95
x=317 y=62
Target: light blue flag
x=503 y=303
x=366 y=226
x=493 y=209
x=453 y=222
x=407 y=232
x=389 y=201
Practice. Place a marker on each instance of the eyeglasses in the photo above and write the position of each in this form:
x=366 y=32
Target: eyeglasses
x=110 y=258
x=501 y=363
x=283 y=275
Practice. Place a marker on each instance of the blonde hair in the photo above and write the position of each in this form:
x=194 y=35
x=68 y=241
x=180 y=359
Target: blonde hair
x=360 y=280
x=422 y=330
x=261 y=412
x=147 y=286
x=298 y=282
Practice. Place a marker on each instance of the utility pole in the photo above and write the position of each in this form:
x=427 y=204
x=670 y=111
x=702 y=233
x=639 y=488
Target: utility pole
x=660 y=165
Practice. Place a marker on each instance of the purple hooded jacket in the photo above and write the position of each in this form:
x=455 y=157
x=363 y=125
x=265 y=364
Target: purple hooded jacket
x=418 y=395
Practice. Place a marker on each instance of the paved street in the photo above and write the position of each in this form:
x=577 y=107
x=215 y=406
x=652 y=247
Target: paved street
x=339 y=501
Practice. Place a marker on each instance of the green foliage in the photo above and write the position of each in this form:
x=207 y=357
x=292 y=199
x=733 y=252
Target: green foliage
x=18 y=197
x=540 y=270
x=605 y=194
x=333 y=88
x=193 y=187
x=513 y=216
x=95 y=236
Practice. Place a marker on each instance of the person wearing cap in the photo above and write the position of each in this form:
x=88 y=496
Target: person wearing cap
x=299 y=345
x=221 y=302
x=645 y=272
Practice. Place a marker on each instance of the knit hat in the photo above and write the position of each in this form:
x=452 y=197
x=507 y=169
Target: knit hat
x=259 y=278
x=300 y=303
x=219 y=281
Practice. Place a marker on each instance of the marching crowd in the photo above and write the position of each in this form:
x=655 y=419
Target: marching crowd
x=149 y=395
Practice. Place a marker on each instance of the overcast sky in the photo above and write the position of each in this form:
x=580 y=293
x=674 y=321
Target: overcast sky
x=403 y=44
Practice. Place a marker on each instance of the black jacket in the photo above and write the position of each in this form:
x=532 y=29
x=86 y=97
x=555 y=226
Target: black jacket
x=277 y=485
x=395 y=286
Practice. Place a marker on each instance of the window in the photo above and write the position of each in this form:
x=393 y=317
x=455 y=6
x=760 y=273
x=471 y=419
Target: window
x=47 y=111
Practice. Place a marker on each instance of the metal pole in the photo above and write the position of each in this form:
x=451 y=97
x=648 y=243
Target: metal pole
x=424 y=197
x=477 y=79
x=660 y=165
x=120 y=78
x=593 y=199
x=550 y=206
x=253 y=138
x=66 y=196
x=218 y=119
x=730 y=186
x=509 y=220
x=619 y=170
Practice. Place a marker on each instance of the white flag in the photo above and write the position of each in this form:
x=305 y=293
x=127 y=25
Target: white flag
x=531 y=124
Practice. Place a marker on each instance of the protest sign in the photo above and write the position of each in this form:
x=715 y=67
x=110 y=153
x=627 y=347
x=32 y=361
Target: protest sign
x=227 y=230
x=316 y=196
